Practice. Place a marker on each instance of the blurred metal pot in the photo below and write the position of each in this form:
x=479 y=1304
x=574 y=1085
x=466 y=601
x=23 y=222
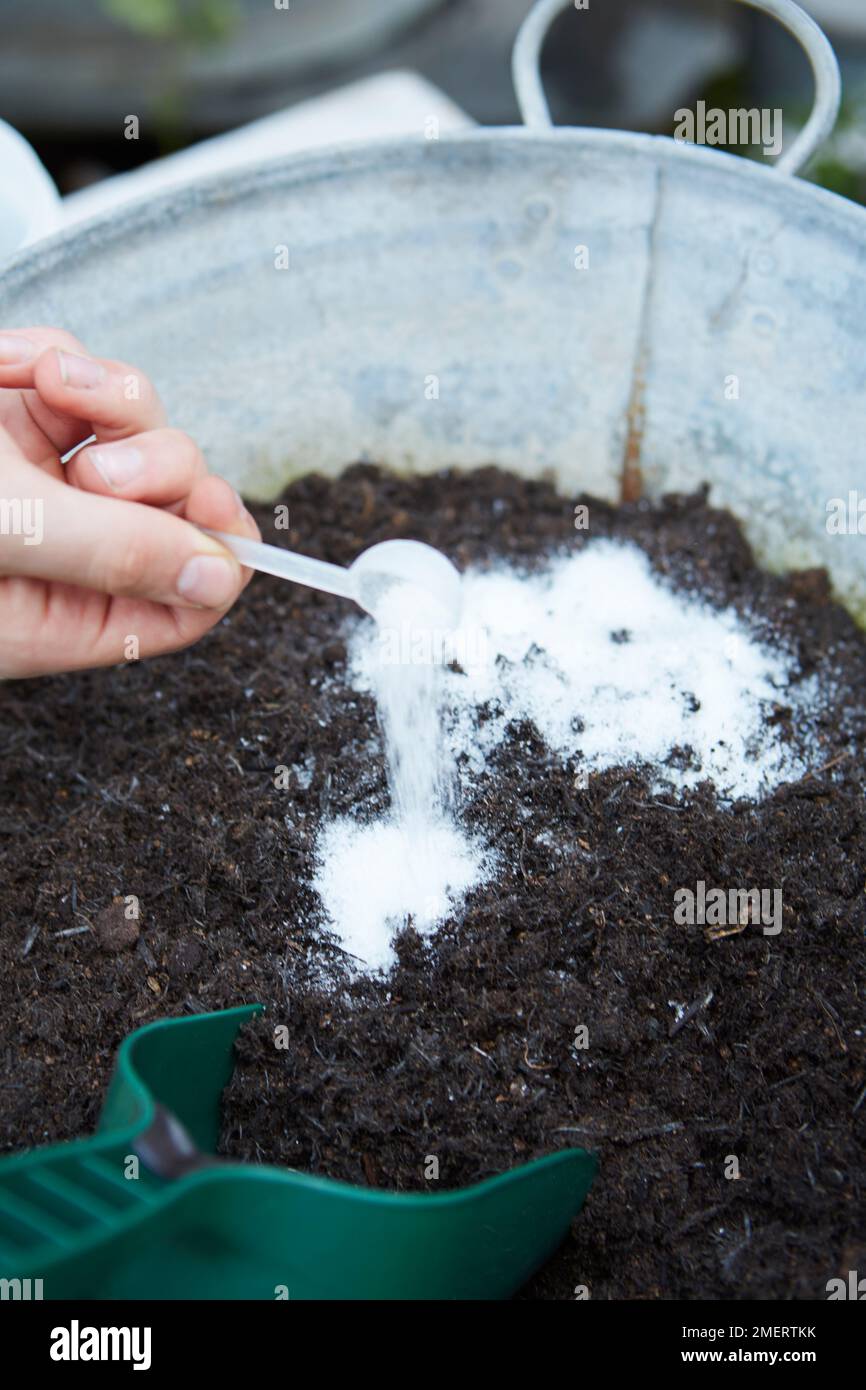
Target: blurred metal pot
x=75 y=67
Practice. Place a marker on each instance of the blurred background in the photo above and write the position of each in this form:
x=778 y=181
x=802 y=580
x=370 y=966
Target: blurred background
x=288 y=74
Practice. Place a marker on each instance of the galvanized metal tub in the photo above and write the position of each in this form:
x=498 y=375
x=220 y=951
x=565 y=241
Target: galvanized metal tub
x=431 y=313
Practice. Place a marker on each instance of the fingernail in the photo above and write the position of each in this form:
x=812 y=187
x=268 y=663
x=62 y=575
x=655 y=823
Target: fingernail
x=117 y=464
x=208 y=581
x=78 y=371
x=14 y=349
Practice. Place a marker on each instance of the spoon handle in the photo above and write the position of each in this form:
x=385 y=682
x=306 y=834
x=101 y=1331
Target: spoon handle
x=287 y=564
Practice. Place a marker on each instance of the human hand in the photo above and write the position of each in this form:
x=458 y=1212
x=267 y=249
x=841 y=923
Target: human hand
x=98 y=560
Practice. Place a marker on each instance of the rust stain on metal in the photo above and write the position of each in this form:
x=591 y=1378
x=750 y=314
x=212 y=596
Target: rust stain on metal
x=631 y=480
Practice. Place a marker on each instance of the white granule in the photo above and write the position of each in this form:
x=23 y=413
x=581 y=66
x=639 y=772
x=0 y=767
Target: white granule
x=378 y=878
x=610 y=665
x=613 y=666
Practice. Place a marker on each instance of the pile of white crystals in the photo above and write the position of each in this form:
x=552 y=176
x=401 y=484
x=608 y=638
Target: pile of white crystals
x=610 y=664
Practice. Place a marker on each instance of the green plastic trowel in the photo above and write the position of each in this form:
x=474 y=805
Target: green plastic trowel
x=145 y=1209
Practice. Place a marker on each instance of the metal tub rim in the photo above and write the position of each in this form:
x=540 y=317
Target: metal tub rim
x=293 y=171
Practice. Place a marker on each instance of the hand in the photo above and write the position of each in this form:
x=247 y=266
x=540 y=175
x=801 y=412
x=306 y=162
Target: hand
x=98 y=560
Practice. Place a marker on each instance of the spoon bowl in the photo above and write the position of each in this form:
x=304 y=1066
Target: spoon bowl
x=409 y=572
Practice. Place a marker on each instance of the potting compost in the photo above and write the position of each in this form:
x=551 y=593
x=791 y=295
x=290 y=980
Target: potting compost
x=641 y=936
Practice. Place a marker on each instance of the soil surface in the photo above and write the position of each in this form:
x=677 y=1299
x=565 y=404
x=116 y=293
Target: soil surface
x=157 y=780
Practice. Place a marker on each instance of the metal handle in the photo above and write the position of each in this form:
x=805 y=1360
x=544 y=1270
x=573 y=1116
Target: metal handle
x=526 y=61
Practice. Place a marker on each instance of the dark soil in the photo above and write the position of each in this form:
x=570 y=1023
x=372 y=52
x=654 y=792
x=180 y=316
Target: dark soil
x=158 y=780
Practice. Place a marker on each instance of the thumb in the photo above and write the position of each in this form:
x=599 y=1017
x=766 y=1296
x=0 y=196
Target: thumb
x=126 y=549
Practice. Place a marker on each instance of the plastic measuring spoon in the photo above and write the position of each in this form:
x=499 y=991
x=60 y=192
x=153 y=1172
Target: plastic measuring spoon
x=370 y=578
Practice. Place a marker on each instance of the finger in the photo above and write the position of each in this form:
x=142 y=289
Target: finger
x=40 y=434
x=159 y=467
x=20 y=349
x=125 y=549
x=113 y=398
x=214 y=503
x=80 y=628
x=70 y=394
x=155 y=628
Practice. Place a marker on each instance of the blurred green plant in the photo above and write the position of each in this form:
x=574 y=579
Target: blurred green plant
x=191 y=21
x=841 y=164
x=183 y=25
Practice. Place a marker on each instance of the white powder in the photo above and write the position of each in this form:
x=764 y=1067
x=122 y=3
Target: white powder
x=613 y=666
x=417 y=865
x=609 y=664
x=408 y=681
x=376 y=879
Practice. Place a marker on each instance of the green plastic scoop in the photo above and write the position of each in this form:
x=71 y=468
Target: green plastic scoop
x=145 y=1210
